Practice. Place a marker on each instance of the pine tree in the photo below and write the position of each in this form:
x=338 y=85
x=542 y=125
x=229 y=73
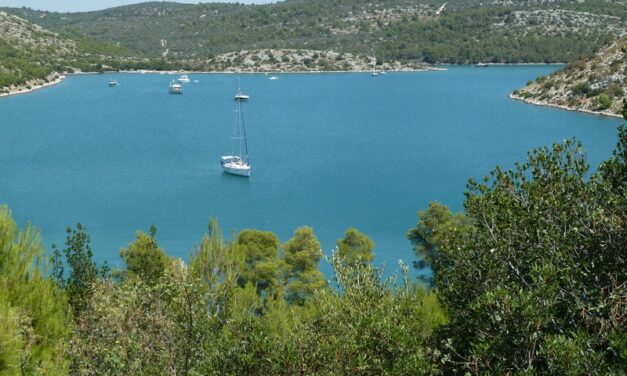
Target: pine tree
x=302 y=254
x=34 y=314
x=355 y=248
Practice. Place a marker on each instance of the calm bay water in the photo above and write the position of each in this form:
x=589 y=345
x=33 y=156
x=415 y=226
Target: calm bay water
x=328 y=150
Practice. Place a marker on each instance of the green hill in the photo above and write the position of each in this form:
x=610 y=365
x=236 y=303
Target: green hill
x=596 y=85
x=458 y=31
x=31 y=55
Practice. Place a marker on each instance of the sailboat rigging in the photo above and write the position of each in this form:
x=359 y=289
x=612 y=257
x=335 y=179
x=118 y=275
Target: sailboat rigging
x=374 y=67
x=238 y=164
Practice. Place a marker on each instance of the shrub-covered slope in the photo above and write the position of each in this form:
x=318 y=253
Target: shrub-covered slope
x=596 y=85
x=31 y=55
x=434 y=31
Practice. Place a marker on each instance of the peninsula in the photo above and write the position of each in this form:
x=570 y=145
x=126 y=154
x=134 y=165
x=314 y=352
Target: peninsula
x=596 y=85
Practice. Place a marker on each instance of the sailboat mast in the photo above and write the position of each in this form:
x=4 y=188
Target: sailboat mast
x=374 y=64
x=243 y=132
x=235 y=132
x=239 y=127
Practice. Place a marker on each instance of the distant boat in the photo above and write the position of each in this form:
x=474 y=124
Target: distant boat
x=238 y=164
x=239 y=96
x=175 y=88
x=482 y=65
x=183 y=79
x=113 y=83
x=374 y=73
x=273 y=78
x=383 y=73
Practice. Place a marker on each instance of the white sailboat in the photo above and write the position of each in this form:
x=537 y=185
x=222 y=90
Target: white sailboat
x=184 y=79
x=239 y=96
x=382 y=72
x=374 y=72
x=238 y=164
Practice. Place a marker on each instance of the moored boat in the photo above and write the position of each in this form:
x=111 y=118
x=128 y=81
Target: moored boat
x=175 y=88
x=238 y=164
x=374 y=72
x=237 y=167
x=239 y=96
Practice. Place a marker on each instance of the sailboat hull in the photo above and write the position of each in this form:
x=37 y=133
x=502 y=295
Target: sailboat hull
x=238 y=170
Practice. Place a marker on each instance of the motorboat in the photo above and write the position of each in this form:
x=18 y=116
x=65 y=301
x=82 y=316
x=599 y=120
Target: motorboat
x=175 y=88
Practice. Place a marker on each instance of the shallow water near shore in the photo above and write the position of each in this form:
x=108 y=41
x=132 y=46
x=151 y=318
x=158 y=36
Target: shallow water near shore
x=327 y=150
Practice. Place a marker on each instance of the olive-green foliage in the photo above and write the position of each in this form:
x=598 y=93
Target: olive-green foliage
x=20 y=65
x=201 y=321
x=613 y=174
x=355 y=248
x=365 y=326
x=83 y=271
x=217 y=265
x=22 y=62
x=262 y=267
x=216 y=261
x=135 y=328
x=144 y=258
x=35 y=321
x=538 y=287
x=437 y=227
x=605 y=101
x=368 y=326
x=465 y=32
x=302 y=254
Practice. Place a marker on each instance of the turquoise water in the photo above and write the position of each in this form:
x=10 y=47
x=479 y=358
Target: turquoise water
x=328 y=150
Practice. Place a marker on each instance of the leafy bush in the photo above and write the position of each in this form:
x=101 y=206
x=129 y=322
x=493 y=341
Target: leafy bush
x=605 y=101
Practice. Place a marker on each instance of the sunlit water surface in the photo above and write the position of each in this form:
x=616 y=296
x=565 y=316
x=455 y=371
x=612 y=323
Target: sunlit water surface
x=328 y=150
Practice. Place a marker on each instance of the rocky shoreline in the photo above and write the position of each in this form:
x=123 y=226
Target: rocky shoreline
x=596 y=86
x=537 y=102
x=40 y=84
x=31 y=86
x=243 y=71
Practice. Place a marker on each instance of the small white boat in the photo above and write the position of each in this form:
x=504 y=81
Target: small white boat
x=482 y=65
x=184 y=79
x=113 y=83
x=383 y=73
x=273 y=78
x=239 y=96
x=238 y=164
x=175 y=88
